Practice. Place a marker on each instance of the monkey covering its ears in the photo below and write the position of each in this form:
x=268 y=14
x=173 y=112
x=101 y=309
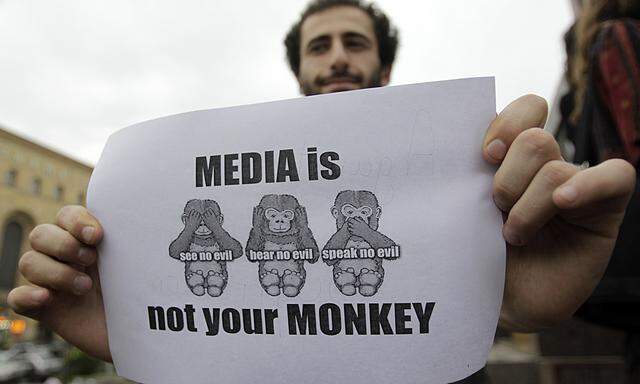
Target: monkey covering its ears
x=280 y=227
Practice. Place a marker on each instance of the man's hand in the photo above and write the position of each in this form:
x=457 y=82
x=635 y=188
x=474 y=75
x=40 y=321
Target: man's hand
x=65 y=295
x=561 y=221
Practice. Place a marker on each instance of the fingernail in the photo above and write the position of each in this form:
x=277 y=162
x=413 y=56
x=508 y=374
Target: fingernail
x=568 y=193
x=86 y=255
x=511 y=236
x=497 y=149
x=81 y=284
x=87 y=234
x=40 y=295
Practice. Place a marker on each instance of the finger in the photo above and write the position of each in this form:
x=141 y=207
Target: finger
x=612 y=180
x=28 y=300
x=531 y=150
x=80 y=223
x=528 y=111
x=60 y=244
x=536 y=207
x=46 y=272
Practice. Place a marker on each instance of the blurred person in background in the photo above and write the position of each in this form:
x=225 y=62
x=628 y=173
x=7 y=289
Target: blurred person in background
x=561 y=221
x=601 y=121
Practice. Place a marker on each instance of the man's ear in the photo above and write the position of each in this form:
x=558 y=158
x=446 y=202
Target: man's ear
x=385 y=75
x=184 y=219
x=221 y=218
x=335 y=212
x=378 y=212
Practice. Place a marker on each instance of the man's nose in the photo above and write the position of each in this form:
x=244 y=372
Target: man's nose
x=339 y=58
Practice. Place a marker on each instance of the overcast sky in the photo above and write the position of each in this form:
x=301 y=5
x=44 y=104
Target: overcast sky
x=74 y=71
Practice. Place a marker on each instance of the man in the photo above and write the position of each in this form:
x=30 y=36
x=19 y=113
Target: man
x=362 y=58
x=561 y=221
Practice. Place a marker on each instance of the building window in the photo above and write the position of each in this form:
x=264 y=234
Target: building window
x=36 y=186
x=11 y=244
x=10 y=177
x=58 y=193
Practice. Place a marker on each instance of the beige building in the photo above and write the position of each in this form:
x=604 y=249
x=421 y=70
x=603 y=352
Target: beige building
x=35 y=182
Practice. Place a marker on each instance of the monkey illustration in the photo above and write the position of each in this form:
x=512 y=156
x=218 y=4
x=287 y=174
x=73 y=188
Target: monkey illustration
x=280 y=224
x=357 y=214
x=205 y=247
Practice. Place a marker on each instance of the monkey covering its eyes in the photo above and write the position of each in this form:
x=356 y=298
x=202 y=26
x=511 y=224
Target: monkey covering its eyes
x=357 y=214
x=280 y=224
x=205 y=247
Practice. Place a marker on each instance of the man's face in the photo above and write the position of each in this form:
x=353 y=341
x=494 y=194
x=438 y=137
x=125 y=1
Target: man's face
x=339 y=52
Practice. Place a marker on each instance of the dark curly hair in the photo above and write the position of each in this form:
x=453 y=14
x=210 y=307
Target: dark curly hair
x=386 y=33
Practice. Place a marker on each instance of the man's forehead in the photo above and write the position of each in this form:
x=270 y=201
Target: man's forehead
x=336 y=21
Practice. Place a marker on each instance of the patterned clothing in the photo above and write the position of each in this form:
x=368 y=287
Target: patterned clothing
x=617 y=55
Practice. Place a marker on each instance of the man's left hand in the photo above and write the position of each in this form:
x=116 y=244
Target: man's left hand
x=561 y=223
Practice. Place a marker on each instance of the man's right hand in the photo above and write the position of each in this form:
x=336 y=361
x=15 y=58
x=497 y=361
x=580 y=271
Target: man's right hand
x=65 y=293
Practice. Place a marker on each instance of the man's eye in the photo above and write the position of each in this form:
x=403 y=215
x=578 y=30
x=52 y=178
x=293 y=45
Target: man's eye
x=318 y=47
x=355 y=44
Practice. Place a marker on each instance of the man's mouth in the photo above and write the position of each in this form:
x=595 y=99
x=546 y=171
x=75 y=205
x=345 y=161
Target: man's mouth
x=334 y=84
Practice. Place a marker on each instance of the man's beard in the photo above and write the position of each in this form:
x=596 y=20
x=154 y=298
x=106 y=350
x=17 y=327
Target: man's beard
x=309 y=89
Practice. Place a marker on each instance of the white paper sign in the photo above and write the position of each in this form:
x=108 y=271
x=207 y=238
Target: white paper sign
x=344 y=238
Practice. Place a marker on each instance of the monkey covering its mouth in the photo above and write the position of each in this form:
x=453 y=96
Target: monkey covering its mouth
x=357 y=215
